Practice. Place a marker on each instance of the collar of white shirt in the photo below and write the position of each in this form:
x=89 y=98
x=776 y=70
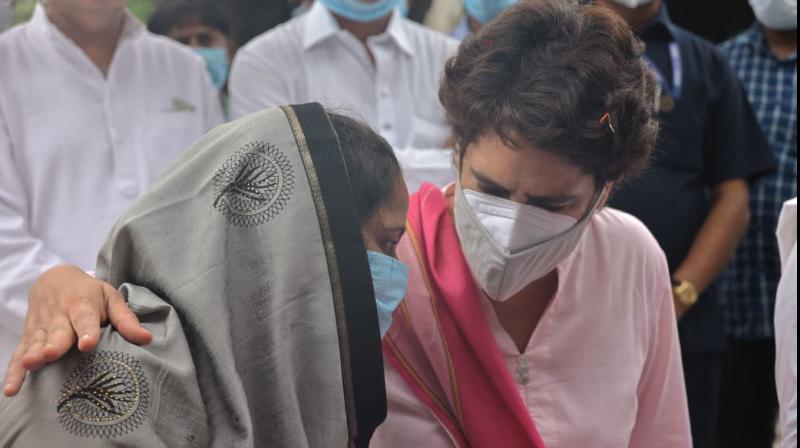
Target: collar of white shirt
x=40 y=23
x=321 y=26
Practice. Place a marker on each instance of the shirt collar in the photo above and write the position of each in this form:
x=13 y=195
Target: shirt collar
x=132 y=27
x=321 y=25
x=754 y=38
x=397 y=31
x=661 y=27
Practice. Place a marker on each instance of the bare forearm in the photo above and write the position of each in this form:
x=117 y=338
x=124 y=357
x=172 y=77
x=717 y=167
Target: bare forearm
x=719 y=237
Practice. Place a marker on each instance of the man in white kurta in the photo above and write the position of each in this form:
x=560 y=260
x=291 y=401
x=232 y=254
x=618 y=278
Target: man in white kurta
x=77 y=146
x=786 y=326
x=391 y=82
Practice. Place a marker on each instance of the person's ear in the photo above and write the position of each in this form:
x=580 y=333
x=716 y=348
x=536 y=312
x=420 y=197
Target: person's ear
x=231 y=49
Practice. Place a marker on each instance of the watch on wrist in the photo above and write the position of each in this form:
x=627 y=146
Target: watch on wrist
x=685 y=292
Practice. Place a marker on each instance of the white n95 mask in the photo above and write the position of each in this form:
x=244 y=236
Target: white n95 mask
x=509 y=245
x=633 y=3
x=778 y=15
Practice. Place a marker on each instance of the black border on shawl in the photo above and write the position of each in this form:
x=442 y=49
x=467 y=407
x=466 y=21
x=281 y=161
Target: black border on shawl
x=366 y=359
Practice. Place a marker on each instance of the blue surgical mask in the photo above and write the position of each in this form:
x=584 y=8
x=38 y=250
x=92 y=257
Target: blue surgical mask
x=403 y=7
x=217 y=64
x=359 y=11
x=390 y=281
x=484 y=11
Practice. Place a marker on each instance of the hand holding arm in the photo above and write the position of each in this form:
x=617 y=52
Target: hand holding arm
x=67 y=305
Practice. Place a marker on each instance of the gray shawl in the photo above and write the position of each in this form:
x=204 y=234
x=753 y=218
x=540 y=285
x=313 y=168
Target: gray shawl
x=246 y=262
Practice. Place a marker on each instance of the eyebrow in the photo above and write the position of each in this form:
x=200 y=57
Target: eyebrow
x=532 y=200
x=486 y=181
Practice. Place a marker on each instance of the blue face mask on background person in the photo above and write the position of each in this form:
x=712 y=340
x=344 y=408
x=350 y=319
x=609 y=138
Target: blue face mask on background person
x=390 y=281
x=402 y=5
x=359 y=11
x=217 y=64
x=484 y=11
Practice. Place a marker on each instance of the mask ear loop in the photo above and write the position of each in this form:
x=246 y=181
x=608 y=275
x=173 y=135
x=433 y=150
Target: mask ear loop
x=594 y=205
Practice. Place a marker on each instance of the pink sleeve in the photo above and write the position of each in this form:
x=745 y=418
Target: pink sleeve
x=409 y=422
x=663 y=417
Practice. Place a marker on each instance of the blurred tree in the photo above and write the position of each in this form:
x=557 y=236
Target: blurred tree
x=24 y=10
x=143 y=9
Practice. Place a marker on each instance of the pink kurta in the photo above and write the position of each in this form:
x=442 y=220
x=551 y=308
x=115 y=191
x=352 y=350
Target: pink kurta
x=602 y=369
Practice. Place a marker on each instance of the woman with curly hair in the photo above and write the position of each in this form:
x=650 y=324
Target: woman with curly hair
x=535 y=315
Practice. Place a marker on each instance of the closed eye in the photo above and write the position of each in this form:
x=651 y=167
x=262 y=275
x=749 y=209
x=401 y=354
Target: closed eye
x=392 y=240
x=551 y=207
x=496 y=192
x=487 y=186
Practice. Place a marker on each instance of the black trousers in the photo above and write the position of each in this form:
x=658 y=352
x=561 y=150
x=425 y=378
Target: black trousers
x=703 y=372
x=749 y=401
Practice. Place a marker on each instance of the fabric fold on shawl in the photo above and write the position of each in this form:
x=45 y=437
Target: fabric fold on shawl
x=246 y=261
x=441 y=343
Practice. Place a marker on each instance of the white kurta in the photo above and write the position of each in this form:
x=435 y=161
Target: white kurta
x=311 y=59
x=76 y=148
x=786 y=326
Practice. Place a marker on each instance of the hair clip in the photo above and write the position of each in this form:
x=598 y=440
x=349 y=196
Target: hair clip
x=607 y=120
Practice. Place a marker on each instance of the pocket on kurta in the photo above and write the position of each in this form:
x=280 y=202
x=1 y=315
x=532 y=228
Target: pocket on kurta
x=167 y=136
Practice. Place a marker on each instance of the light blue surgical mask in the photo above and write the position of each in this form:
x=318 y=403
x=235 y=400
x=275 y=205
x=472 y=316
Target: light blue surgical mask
x=484 y=11
x=217 y=64
x=359 y=11
x=390 y=281
x=403 y=7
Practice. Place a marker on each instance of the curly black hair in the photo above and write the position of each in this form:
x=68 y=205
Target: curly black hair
x=564 y=76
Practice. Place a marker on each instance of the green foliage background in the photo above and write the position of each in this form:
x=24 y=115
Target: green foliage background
x=143 y=9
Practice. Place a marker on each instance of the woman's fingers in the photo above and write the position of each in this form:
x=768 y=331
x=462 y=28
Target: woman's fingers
x=123 y=319
x=59 y=316
x=60 y=339
x=33 y=358
x=85 y=319
x=15 y=375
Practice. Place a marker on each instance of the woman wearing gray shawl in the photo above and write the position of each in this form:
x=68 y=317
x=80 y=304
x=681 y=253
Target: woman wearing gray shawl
x=248 y=263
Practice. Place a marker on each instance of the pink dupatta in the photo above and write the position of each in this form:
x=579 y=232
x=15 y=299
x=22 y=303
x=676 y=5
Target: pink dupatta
x=441 y=343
